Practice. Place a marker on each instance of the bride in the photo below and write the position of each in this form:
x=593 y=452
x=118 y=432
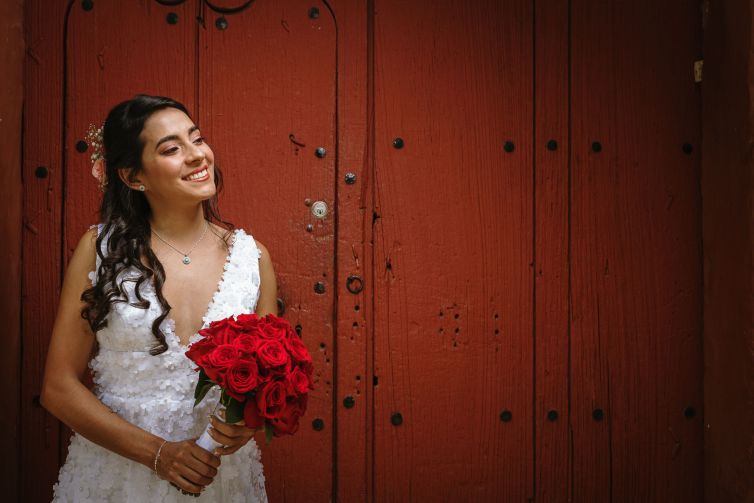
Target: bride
x=140 y=284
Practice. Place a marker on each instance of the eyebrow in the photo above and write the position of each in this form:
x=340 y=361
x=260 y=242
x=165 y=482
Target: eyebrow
x=174 y=136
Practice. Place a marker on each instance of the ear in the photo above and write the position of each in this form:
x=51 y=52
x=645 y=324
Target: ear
x=124 y=173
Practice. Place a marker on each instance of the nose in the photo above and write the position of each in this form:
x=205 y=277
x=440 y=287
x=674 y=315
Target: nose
x=195 y=153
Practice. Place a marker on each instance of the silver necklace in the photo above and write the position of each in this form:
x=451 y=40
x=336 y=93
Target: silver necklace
x=186 y=259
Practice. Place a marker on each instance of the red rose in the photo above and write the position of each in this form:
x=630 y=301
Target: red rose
x=248 y=321
x=298 y=350
x=271 y=398
x=247 y=344
x=251 y=415
x=300 y=382
x=223 y=331
x=199 y=350
x=224 y=356
x=287 y=423
x=217 y=363
x=274 y=327
x=271 y=353
x=241 y=378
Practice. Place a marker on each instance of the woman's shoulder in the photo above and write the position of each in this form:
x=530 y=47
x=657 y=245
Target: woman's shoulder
x=241 y=234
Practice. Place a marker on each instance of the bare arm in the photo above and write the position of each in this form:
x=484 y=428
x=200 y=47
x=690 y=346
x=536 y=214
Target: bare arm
x=268 y=288
x=65 y=396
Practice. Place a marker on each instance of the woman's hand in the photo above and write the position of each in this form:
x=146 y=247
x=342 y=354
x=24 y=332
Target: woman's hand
x=231 y=436
x=187 y=466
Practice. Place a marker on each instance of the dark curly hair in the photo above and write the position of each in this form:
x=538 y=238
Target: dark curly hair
x=125 y=213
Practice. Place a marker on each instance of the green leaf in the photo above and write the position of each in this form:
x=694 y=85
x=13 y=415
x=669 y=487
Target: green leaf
x=234 y=411
x=267 y=432
x=202 y=387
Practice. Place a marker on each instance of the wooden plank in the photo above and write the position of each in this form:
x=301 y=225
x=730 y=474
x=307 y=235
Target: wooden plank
x=11 y=108
x=353 y=455
x=453 y=300
x=551 y=155
x=265 y=124
x=727 y=185
x=43 y=22
x=635 y=252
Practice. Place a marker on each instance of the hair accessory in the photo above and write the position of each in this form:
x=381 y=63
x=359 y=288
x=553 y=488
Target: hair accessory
x=94 y=139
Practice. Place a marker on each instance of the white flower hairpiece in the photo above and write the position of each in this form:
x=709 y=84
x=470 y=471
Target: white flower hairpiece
x=94 y=139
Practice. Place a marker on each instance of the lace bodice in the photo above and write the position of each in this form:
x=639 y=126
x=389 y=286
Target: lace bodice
x=156 y=393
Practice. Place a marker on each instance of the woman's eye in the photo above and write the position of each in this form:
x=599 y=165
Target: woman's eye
x=200 y=139
x=170 y=150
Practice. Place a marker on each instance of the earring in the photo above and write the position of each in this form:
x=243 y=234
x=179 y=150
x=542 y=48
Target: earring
x=142 y=188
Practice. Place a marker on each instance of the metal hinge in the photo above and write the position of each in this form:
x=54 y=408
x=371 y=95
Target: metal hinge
x=698 y=66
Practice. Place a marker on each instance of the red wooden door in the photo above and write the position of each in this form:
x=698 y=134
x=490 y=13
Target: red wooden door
x=523 y=215
x=453 y=306
x=265 y=106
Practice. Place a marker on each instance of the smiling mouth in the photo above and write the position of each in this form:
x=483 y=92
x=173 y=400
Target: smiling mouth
x=198 y=176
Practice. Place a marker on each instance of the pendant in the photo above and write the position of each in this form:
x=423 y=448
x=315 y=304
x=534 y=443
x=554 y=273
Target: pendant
x=186 y=260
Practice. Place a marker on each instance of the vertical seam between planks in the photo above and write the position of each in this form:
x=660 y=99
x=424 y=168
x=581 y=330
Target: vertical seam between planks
x=371 y=167
x=336 y=220
x=534 y=246
x=63 y=171
x=569 y=164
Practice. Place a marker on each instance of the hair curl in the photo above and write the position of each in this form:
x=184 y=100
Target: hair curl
x=125 y=214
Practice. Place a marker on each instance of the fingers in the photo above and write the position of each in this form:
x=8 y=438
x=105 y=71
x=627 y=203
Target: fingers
x=205 y=457
x=188 y=466
x=185 y=486
x=232 y=437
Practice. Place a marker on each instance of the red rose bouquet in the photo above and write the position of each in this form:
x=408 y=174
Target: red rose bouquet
x=263 y=369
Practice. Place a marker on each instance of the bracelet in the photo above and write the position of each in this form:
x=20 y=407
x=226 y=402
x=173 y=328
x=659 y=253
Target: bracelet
x=157 y=456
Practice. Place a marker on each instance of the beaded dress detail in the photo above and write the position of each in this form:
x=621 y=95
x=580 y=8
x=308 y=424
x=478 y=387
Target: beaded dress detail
x=156 y=393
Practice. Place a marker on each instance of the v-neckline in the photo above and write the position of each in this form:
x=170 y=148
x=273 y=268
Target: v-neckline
x=170 y=323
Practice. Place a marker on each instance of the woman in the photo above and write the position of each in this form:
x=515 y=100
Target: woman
x=163 y=270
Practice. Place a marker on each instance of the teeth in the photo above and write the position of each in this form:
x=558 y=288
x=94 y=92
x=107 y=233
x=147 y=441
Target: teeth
x=200 y=174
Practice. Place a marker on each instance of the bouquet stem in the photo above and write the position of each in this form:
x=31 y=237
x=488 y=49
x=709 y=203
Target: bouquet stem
x=205 y=441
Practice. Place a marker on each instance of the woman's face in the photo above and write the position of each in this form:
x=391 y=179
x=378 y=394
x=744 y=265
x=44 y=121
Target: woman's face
x=178 y=165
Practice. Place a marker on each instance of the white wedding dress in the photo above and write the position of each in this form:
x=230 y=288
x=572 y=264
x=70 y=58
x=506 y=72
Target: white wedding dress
x=156 y=393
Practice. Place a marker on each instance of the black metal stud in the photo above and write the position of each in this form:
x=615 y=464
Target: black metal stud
x=506 y=416
x=596 y=146
x=509 y=146
x=398 y=142
x=350 y=178
x=297 y=328
x=81 y=146
x=552 y=415
x=687 y=148
x=318 y=424
x=349 y=402
x=598 y=414
x=221 y=23
x=319 y=287
x=396 y=419
x=552 y=145
x=689 y=412
x=375 y=381
x=172 y=18
x=281 y=307
x=314 y=13
x=87 y=5
x=309 y=227
x=41 y=172
x=320 y=152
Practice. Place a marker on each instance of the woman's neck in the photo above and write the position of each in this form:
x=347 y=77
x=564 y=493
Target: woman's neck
x=179 y=225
